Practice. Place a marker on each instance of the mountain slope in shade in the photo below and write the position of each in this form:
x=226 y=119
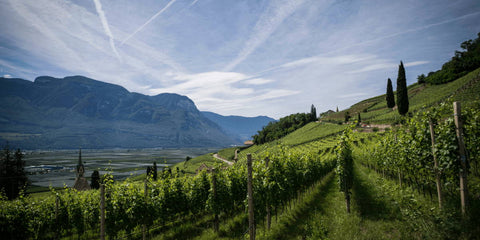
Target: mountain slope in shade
x=73 y=112
x=243 y=128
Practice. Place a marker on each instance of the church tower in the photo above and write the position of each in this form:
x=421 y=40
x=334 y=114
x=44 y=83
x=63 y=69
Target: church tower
x=81 y=182
x=80 y=167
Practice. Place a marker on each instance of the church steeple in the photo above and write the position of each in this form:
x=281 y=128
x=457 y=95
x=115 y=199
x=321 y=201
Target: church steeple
x=81 y=182
x=80 y=167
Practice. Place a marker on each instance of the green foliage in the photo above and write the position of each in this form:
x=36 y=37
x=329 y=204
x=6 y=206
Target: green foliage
x=390 y=97
x=407 y=152
x=347 y=116
x=169 y=198
x=312 y=132
x=421 y=79
x=345 y=163
x=313 y=114
x=461 y=64
x=95 y=180
x=284 y=126
x=13 y=178
x=402 y=91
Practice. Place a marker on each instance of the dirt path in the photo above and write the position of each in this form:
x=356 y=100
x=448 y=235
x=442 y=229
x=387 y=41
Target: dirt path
x=222 y=159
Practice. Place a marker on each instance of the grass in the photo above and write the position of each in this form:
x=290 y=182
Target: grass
x=380 y=208
x=374 y=110
x=311 y=132
x=192 y=165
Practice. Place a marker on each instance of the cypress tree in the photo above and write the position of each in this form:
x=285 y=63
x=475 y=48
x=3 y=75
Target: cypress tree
x=154 y=170
x=95 y=180
x=313 y=114
x=402 y=91
x=390 y=98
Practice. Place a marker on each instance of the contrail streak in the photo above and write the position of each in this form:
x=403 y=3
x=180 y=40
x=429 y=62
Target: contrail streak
x=103 y=19
x=269 y=21
x=149 y=20
x=193 y=3
x=261 y=73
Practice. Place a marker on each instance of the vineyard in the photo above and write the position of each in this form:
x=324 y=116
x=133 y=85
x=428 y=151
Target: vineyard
x=292 y=188
x=132 y=205
x=419 y=179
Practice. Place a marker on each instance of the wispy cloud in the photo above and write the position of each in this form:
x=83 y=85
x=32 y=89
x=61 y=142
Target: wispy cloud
x=265 y=26
x=149 y=21
x=193 y=3
x=228 y=91
x=386 y=65
x=416 y=63
x=106 y=27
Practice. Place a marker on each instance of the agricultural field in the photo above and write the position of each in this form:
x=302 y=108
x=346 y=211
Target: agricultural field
x=323 y=181
x=57 y=168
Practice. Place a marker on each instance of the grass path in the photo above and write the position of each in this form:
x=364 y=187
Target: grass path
x=322 y=215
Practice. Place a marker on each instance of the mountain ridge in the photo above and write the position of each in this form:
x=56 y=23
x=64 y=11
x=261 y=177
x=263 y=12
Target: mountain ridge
x=243 y=127
x=77 y=111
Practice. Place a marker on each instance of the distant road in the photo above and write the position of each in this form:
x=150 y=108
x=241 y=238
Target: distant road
x=223 y=159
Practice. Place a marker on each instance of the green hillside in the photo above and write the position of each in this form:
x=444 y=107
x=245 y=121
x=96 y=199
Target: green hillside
x=393 y=188
x=374 y=110
x=382 y=208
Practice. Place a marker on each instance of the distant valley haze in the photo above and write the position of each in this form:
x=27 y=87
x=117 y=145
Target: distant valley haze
x=166 y=68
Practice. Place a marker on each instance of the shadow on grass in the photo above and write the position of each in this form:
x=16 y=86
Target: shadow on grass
x=370 y=204
x=291 y=225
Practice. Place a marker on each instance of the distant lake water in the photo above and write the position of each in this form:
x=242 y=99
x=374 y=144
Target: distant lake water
x=57 y=168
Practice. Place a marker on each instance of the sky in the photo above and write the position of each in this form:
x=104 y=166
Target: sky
x=237 y=57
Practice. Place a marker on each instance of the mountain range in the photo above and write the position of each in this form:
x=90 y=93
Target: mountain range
x=242 y=127
x=76 y=111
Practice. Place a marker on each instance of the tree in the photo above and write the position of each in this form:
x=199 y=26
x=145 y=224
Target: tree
x=421 y=78
x=13 y=178
x=347 y=116
x=154 y=169
x=359 y=118
x=313 y=113
x=402 y=91
x=95 y=181
x=337 y=108
x=390 y=97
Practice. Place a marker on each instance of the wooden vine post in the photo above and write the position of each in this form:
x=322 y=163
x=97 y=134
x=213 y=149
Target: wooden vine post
x=214 y=190
x=144 y=227
x=102 y=211
x=251 y=218
x=56 y=217
x=463 y=159
x=269 y=215
x=435 y=166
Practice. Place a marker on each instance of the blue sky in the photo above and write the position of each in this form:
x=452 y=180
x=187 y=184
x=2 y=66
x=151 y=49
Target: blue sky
x=236 y=57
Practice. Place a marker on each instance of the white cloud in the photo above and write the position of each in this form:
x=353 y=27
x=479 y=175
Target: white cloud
x=214 y=91
x=258 y=81
x=7 y=76
x=386 y=65
x=265 y=26
x=416 y=63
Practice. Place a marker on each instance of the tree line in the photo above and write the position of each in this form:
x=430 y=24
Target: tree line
x=284 y=126
x=462 y=63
